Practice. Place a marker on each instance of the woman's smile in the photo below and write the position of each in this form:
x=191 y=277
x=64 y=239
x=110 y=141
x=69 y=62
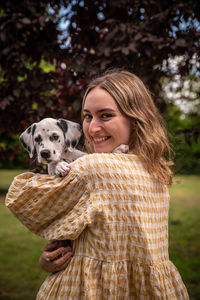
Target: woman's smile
x=98 y=140
x=104 y=126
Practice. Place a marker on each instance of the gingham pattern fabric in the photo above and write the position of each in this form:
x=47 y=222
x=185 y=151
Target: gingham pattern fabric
x=117 y=216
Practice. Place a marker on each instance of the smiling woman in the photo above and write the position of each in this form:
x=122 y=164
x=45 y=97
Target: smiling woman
x=141 y=124
x=104 y=126
x=113 y=206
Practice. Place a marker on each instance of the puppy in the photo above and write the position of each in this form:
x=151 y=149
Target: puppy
x=54 y=142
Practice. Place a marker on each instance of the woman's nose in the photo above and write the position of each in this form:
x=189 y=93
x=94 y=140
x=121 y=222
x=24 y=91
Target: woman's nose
x=94 y=126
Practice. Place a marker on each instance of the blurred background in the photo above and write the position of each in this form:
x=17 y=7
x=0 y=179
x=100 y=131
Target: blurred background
x=49 y=51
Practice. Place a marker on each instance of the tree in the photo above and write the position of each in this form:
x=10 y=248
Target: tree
x=135 y=35
x=27 y=36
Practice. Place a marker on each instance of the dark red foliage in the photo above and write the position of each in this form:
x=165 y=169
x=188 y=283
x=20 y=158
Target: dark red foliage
x=134 y=35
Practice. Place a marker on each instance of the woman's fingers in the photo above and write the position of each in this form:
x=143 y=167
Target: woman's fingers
x=62 y=262
x=52 y=246
x=55 y=258
x=55 y=254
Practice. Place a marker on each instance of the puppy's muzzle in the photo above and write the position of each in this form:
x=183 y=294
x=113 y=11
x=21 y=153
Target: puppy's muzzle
x=45 y=154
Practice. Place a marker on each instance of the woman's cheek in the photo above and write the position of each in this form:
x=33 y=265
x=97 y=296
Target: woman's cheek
x=85 y=129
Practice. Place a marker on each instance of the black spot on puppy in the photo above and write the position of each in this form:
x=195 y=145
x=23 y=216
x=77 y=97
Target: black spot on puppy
x=23 y=143
x=63 y=125
x=54 y=152
x=74 y=142
x=33 y=129
x=29 y=130
x=68 y=143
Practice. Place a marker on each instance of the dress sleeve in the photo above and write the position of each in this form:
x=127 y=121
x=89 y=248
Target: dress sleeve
x=49 y=206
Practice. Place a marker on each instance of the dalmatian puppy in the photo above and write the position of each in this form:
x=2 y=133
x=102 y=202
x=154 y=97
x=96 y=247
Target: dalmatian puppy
x=54 y=142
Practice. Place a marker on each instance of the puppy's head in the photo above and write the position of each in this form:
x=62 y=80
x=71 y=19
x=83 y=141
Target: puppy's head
x=49 y=138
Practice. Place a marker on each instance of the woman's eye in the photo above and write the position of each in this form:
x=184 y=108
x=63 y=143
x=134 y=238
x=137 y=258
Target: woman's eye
x=106 y=116
x=87 y=117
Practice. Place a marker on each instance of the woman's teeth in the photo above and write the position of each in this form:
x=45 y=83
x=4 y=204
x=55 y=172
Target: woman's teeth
x=98 y=140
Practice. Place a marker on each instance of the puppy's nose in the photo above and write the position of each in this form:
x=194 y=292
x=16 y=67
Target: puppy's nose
x=45 y=153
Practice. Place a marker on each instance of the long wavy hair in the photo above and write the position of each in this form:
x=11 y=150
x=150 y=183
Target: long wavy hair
x=148 y=139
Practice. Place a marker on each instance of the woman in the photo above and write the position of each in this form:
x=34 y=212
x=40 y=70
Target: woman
x=113 y=206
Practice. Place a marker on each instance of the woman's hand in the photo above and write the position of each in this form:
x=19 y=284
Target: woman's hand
x=55 y=257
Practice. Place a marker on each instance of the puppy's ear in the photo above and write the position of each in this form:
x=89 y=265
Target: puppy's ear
x=72 y=132
x=62 y=123
x=27 y=141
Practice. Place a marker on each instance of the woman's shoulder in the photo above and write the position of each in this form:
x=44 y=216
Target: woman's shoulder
x=103 y=160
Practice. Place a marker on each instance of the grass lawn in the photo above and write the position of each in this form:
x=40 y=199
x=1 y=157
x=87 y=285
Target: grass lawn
x=6 y=177
x=184 y=231
x=21 y=276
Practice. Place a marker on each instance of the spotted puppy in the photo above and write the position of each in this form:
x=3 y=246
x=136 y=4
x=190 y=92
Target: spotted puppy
x=54 y=142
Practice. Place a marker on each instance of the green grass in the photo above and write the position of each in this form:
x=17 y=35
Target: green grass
x=21 y=276
x=6 y=178
x=184 y=231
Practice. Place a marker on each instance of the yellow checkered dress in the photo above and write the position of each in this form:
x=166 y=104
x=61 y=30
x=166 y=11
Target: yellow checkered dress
x=117 y=216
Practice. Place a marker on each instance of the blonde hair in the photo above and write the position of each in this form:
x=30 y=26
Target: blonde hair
x=148 y=138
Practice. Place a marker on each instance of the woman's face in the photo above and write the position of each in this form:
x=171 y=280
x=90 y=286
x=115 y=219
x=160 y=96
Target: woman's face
x=104 y=125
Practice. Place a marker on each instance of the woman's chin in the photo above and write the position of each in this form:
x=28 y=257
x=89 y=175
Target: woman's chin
x=103 y=149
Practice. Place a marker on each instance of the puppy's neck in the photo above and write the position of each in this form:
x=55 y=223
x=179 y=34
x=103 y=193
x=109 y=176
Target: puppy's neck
x=69 y=156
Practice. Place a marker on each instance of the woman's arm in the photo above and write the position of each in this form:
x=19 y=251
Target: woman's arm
x=48 y=205
x=55 y=258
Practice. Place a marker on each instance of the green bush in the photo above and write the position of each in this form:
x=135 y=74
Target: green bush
x=186 y=156
x=185 y=144
x=12 y=154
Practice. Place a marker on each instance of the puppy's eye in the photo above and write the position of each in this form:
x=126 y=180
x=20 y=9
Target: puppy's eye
x=54 y=137
x=38 y=139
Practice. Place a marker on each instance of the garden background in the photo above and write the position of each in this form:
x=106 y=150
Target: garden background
x=49 y=51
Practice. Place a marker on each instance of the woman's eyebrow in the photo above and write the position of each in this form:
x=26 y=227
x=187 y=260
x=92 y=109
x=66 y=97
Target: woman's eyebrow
x=100 y=110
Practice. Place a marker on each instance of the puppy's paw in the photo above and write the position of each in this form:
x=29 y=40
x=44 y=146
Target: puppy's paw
x=62 y=168
x=121 y=149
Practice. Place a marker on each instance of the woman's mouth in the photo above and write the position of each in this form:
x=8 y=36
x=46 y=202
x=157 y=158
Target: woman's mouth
x=98 y=140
